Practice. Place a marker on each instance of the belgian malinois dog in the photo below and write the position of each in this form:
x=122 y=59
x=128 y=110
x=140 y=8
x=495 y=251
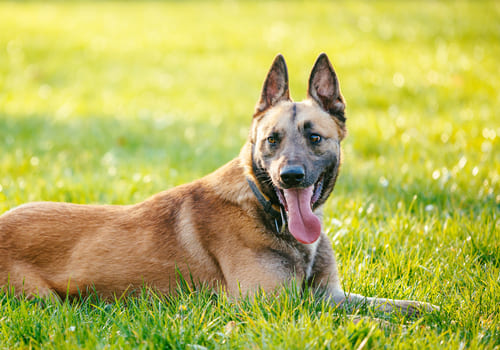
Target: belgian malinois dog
x=253 y=224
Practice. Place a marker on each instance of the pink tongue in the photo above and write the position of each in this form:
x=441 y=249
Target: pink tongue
x=302 y=223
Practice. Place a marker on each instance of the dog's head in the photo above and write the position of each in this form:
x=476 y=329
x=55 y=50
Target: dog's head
x=296 y=145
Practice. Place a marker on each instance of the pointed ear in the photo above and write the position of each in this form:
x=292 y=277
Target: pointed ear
x=324 y=88
x=275 y=87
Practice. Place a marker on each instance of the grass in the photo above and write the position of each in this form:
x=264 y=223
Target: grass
x=111 y=102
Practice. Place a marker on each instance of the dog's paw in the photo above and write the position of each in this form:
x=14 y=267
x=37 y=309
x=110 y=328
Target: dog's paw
x=416 y=308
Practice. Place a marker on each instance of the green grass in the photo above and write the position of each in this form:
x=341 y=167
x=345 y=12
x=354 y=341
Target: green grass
x=111 y=102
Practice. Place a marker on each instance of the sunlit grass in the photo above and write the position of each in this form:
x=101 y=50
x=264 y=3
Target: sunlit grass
x=111 y=102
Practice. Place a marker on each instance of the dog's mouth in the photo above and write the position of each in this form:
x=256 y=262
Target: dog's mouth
x=298 y=204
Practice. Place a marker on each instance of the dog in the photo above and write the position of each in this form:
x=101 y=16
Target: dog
x=253 y=224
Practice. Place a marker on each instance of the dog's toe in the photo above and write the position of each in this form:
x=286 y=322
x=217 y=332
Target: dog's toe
x=417 y=308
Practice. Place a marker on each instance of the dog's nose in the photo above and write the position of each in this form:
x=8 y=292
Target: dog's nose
x=292 y=175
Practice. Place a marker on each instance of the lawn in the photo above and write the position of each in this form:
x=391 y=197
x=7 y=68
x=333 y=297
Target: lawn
x=111 y=102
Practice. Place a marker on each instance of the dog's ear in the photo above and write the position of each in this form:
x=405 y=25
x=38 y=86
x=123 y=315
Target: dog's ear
x=275 y=87
x=324 y=88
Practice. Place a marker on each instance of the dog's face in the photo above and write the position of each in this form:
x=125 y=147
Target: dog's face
x=296 y=145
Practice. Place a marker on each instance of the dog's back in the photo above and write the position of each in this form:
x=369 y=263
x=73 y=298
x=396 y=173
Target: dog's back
x=47 y=245
x=68 y=248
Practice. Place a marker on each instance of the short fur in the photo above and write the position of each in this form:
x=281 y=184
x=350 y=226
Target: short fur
x=214 y=230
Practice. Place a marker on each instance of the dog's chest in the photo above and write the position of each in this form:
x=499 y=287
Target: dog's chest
x=291 y=258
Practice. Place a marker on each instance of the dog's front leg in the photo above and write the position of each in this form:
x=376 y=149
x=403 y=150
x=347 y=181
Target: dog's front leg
x=248 y=272
x=408 y=307
x=325 y=276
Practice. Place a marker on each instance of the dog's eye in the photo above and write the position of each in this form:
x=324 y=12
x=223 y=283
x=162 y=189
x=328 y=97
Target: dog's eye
x=315 y=138
x=272 y=140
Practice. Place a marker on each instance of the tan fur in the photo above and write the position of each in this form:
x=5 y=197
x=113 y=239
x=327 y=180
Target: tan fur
x=213 y=231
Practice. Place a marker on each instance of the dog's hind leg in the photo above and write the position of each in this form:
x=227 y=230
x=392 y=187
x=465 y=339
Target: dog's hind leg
x=25 y=280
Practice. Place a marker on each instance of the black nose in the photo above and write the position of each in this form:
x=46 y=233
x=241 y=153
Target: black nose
x=292 y=175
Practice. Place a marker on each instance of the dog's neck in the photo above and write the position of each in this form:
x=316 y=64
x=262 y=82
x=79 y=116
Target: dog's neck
x=275 y=211
x=266 y=203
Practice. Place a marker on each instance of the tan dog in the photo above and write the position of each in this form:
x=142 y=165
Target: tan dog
x=254 y=223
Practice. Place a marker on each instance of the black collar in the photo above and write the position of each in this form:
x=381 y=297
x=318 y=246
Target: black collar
x=268 y=206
